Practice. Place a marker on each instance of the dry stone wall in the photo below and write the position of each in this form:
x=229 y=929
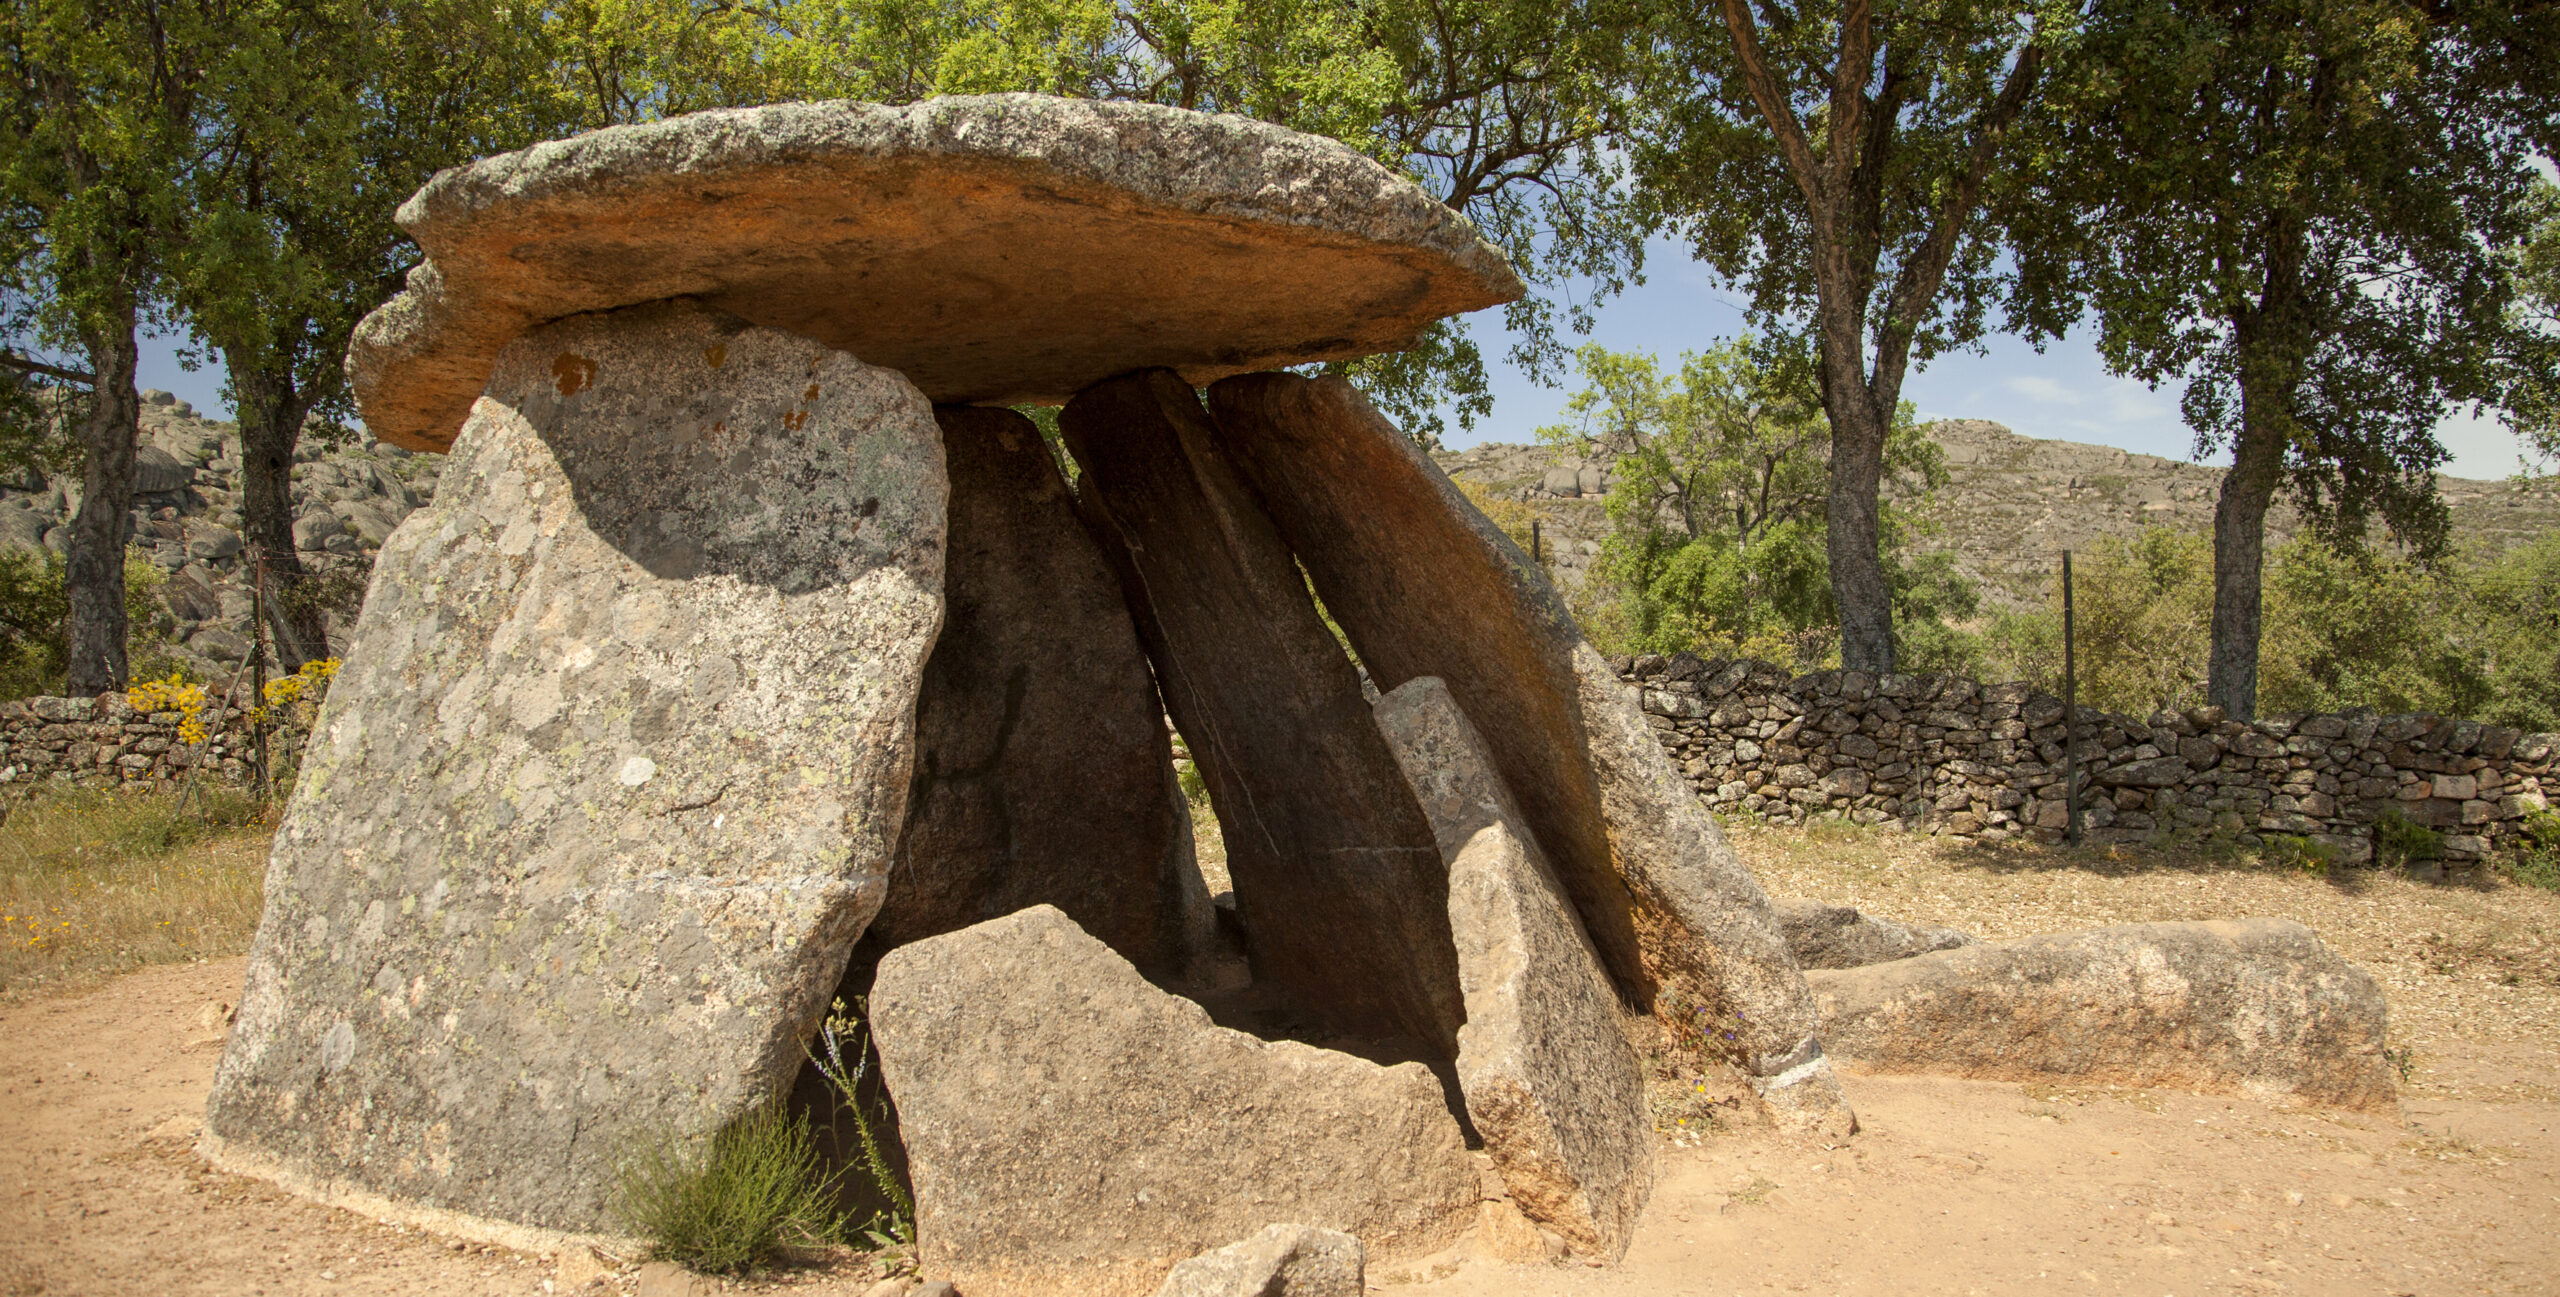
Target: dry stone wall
x=1951 y=757
x=104 y=739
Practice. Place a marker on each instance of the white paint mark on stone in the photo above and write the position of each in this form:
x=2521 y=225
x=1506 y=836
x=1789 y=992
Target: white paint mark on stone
x=637 y=771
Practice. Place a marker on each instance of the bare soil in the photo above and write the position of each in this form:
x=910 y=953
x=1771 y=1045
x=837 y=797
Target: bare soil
x=1952 y=1187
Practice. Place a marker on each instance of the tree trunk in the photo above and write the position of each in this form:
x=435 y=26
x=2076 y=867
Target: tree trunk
x=1855 y=541
x=109 y=441
x=271 y=414
x=2239 y=549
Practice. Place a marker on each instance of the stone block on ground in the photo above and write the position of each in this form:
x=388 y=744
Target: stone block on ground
x=1424 y=584
x=1843 y=936
x=1281 y=1261
x=2249 y=1006
x=1043 y=770
x=1338 y=882
x=1549 y=1078
x=610 y=782
x=1073 y=1129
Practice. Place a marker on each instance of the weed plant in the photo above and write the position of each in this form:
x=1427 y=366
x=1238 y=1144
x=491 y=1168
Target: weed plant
x=93 y=880
x=2537 y=862
x=892 y=1230
x=2400 y=841
x=730 y=1204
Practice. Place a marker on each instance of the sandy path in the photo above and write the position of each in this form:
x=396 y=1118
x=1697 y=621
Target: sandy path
x=1955 y=1187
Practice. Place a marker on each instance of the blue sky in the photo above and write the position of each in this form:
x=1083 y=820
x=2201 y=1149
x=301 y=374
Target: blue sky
x=2065 y=392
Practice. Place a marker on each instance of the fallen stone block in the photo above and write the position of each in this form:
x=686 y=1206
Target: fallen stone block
x=609 y=784
x=1073 y=1129
x=1281 y=1261
x=1549 y=1079
x=2248 y=1006
x=1842 y=936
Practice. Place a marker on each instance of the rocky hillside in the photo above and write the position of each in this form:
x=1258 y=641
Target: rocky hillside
x=186 y=516
x=2013 y=505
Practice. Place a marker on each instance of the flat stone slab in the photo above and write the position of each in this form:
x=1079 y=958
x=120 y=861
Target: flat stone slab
x=1549 y=1078
x=2250 y=1006
x=610 y=783
x=1072 y=1129
x=993 y=248
x=1843 y=936
x=1281 y=1261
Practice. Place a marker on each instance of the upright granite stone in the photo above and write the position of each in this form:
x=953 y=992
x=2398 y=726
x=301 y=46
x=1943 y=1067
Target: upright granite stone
x=1549 y=1078
x=1337 y=879
x=1073 y=1129
x=2250 y=1006
x=610 y=783
x=1043 y=770
x=1424 y=585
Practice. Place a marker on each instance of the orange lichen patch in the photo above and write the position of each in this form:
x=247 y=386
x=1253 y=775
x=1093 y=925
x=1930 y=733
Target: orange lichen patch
x=575 y=374
x=718 y=355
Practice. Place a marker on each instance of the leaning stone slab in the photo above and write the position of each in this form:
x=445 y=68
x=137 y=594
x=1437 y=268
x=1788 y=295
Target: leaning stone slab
x=1549 y=1078
x=1338 y=881
x=1073 y=1129
x=610 y=783
x=1281 y=1261
x=1842 y=936
x=2250 y=1006
x=993 y=248
x=1424 y=584
x=1043 y=770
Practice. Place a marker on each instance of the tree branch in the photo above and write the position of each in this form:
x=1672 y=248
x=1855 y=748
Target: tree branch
x=26 y=366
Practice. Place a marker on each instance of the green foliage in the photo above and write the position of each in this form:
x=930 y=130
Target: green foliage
x=2345 y=627
x=32 y=609
x=730 y=1203
x=2297 y=853
x=1717 y=522
x=2536 y=862
x=2399 y=841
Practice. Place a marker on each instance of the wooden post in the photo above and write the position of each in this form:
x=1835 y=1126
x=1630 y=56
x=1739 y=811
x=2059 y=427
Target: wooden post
x=258 y=669
x=2070 y=715
x=1535 y=556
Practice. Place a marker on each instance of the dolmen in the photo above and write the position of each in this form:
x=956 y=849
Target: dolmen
x=757 y=651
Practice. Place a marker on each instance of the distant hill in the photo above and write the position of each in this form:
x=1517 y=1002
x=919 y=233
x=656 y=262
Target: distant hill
x=2013 y=503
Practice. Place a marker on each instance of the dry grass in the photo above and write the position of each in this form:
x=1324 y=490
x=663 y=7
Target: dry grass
x=2475 y=962
x=95 y=881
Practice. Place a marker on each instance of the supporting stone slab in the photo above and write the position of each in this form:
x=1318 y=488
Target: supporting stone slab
x=610 y=783
x=1282 y=1261
x=1338 y=882
x=1549 y=1078
x=1073 y=1129
x=1043 y=770
x=2249 y=1006
x=1424 y=585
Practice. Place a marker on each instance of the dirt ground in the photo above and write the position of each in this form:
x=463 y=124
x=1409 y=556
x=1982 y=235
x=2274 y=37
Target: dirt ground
x=1952 y=1187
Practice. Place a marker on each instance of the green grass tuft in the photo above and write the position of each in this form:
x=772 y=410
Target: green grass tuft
x=730 y=1204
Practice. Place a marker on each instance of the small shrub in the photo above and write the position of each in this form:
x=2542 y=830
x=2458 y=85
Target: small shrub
x=2300 y=854
x=730 y=1204
x=2537 y=862
x=2401 y=841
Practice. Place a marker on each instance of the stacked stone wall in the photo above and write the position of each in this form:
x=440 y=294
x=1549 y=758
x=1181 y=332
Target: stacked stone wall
x=105 y=740
x=1948 y=756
